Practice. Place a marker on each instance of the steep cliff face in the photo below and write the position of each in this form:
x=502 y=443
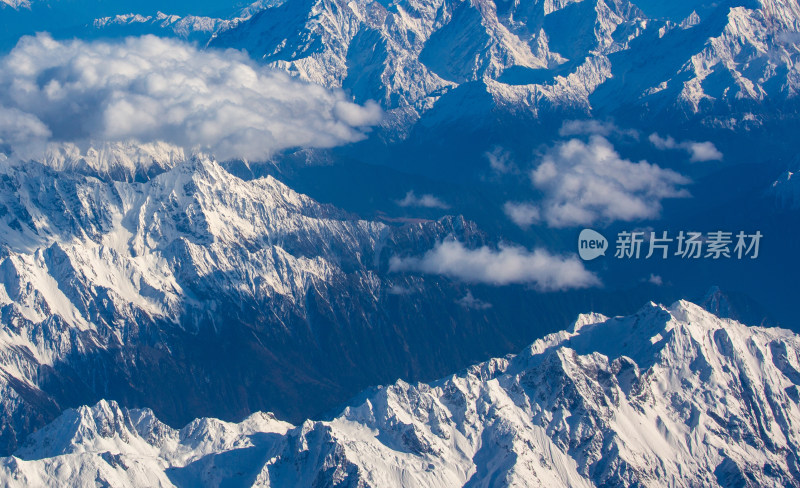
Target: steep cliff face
x=666 y=397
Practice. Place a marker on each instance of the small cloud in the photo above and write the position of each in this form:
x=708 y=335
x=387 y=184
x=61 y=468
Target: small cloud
x=788 y=37
x=663 y=142
x=698 y=151
x=427 y=201
x=500 y=160
x=399 y=290
x=586 y=183
x=655 y=280
x=593 y=127
x=473 y=303
x=704 y=151
x=507 y=265
x=522 y=214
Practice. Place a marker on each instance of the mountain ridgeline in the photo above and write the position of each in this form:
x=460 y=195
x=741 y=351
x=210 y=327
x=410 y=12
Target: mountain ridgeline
x=665 y=397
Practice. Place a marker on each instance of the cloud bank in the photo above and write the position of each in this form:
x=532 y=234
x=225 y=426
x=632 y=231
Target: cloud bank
x=508 y=265
x=588 y=182
x=152 y=89
x=698 y=151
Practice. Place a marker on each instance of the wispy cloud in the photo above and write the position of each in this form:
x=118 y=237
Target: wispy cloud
x=427 y=200
x=504 y=266
x=152 y=89
x=594 y=127
x=473 y=303
x=500 y=160
x=399 y=290
x=522 y=214
x=698 y=151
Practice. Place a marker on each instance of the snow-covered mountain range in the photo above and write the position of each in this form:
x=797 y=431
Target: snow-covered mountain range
x=592 y=56
x=137 y=273
x=161 y=284
x=115 y=261
x=666 y=397
x=191 y=27
x=730 y=64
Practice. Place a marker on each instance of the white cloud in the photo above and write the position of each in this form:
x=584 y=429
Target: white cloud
x=152 y=89
x=585 y=183
x=663 y=142
x=788 y=37
x=655 y=279
x=470 y=301
x=399 y=290
x=17 y=127
x=500 y=160
x=698 y=151
x=593 y=127
x=522 y=214
x=428 y=201
x=508 y=265
x=704 y=151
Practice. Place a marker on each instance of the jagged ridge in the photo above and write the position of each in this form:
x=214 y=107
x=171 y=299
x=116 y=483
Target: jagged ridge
x=667 y=397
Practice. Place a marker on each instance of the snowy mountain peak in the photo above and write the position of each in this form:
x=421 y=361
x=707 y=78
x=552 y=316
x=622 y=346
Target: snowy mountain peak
x=587 y=319
x=786 y=190
x=102 y=426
